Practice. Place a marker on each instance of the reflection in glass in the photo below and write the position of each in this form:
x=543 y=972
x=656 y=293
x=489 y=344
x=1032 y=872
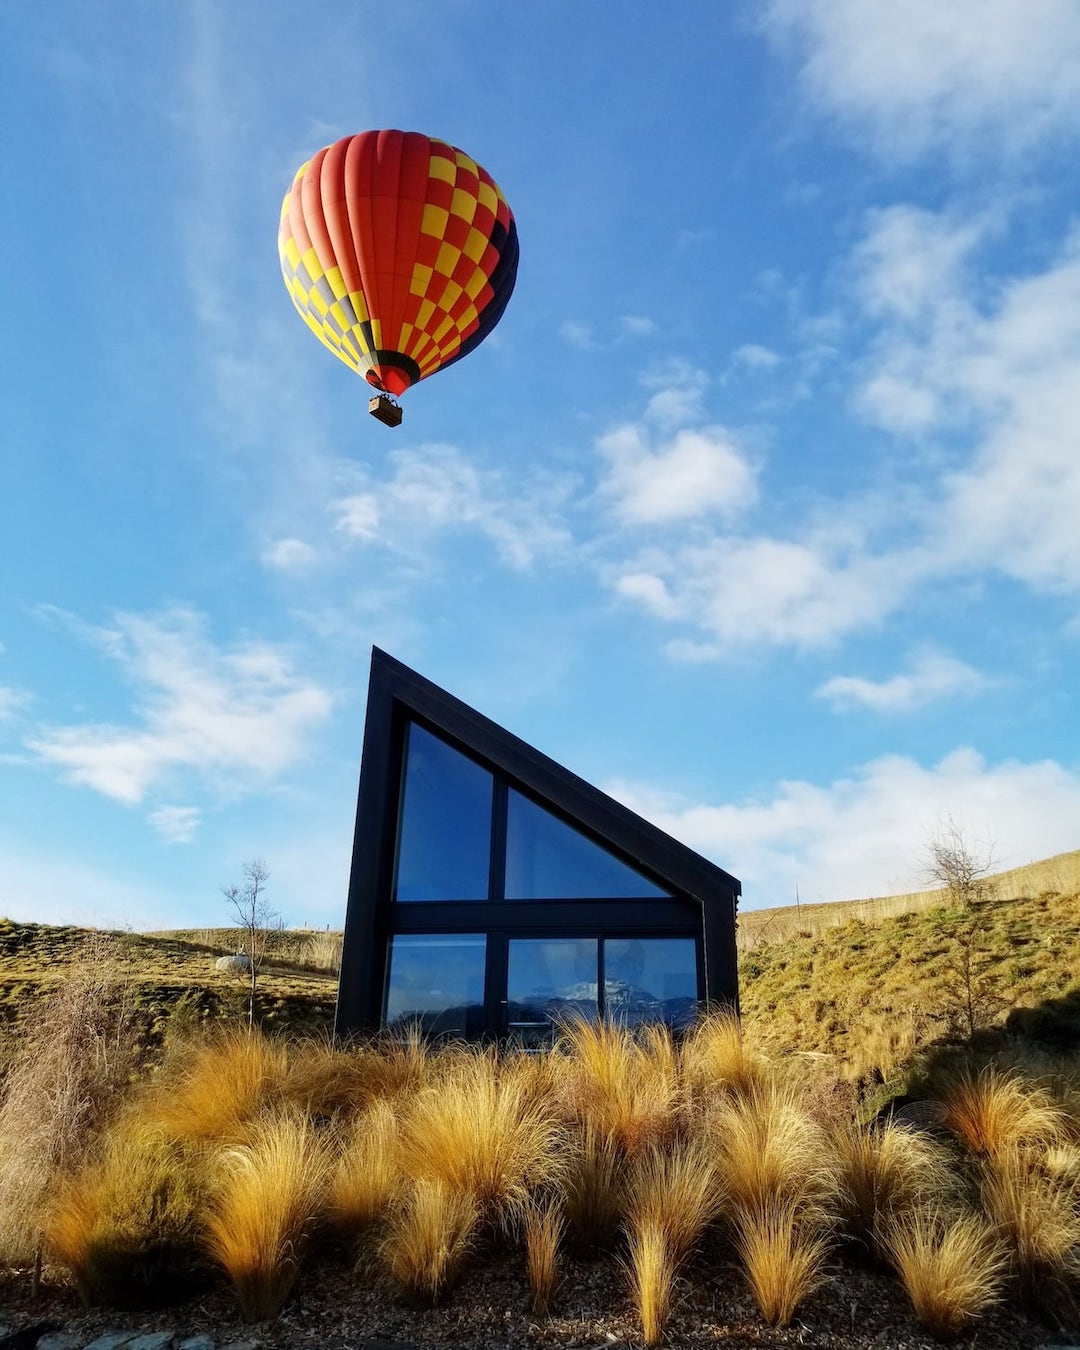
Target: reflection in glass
x=444 y=847
x=549 y=979
x=547 y=859
x=437 y=981
x=651 y=980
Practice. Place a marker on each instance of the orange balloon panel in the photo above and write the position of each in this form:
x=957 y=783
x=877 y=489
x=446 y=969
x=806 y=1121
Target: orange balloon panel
x=400 y=253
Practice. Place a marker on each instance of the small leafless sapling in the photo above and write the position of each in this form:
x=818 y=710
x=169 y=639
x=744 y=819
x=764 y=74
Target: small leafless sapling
x=256 y=919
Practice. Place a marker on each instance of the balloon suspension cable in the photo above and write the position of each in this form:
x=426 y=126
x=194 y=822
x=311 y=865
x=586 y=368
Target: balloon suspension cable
x=383 y=407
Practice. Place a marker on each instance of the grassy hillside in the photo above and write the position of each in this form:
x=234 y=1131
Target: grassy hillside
x=871 y=993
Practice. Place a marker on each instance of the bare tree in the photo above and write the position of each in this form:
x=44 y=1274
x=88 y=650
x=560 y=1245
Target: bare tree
x=256 y=919
x=958 y=865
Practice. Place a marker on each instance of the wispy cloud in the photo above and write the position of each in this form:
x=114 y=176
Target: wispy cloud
x=176 y=824
x=866 y=834
x=435 y=490
x=289 y=555
x=995 y=75
x=238 y=715
x=11 y=701
x=933 y=676
x=579 y=335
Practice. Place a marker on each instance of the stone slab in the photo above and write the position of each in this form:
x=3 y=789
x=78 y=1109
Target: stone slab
x=152 y=1340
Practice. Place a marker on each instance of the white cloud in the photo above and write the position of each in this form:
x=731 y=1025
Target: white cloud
x=11 y=700
x=757 y=590
x=1006 y=373
x=636 y=326
x=919 y=74
x=176 y=824
x=578 y=334
x=695 y=473
x=435 y=490
x=238 y=714
x=289 y=555
x=933 y=676
x=866 y=834
x=753 y=356
x=679 y=395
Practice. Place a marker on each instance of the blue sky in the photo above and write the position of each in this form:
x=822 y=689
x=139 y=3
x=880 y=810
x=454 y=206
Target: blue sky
x=759 y=509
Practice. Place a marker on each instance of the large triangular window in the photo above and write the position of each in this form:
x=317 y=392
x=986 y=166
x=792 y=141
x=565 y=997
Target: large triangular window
x=546 y=859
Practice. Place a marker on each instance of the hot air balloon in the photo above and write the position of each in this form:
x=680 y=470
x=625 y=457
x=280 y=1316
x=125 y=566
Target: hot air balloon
x=400 y=253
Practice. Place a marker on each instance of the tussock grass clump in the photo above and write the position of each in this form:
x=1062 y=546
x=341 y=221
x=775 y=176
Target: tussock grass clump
x=677 y=1191
x=951 y=1267
x=770 y=1149
x=716 y=1057
x=482 y=1132
x=70 y=1070
x=883 y=1172
x=211 y=1091
x=593 y=1185
x=624 y=1088
x=267 y=1193
x=427 y=1239
x=993 y=1110
x=127 y=1225
x=783 y=1248
x=367 y=1173
x=651 y=1271
x=544 y=1225
x=1037 y=1215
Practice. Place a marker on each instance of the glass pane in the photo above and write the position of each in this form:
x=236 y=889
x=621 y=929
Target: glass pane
x=547 y=859
x=437 y=981
x=550 y=978
x=651 y=980
x=444 y=848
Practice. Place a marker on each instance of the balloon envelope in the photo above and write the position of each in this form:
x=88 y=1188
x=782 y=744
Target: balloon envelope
x=400 y=253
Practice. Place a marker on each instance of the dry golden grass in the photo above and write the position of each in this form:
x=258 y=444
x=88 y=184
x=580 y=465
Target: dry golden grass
x=211 y=1091
x=992 y=1111
x=69 y=1071
x=481 y=1132
x=676 y=1191
x=428 y=1237
x=951 y=1268
x=1037 y=1215
x=782 y=1247
x=367 y=1174
x=593 y=1186
x=883 y=1172
x=127 y=1224
x=651 y=1271
x=323 y=1080
x=626 y=1089
x=544 y=1226
x=769 y=1149
x=267 y=1193
x=715 y=1057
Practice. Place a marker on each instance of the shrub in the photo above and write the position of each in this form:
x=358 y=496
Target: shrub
x=676 y=1191
x=480 y=1132
x=367 y=1173
x=268 y=1191
x=1036 y=1215
x=625 y=1090
x=951 y=1267
x=543 y=1234
x=427 y=1239
x=127 y=1225
x=992 y=1111
x=716 y=1057
x=71 y=1066
x=782 y=1248
x=652 y=1278
x=883 y=1172
x=593 y=1186
x=211 y=1091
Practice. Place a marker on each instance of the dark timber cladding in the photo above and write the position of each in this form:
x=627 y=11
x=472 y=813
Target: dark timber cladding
x=570 y=902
